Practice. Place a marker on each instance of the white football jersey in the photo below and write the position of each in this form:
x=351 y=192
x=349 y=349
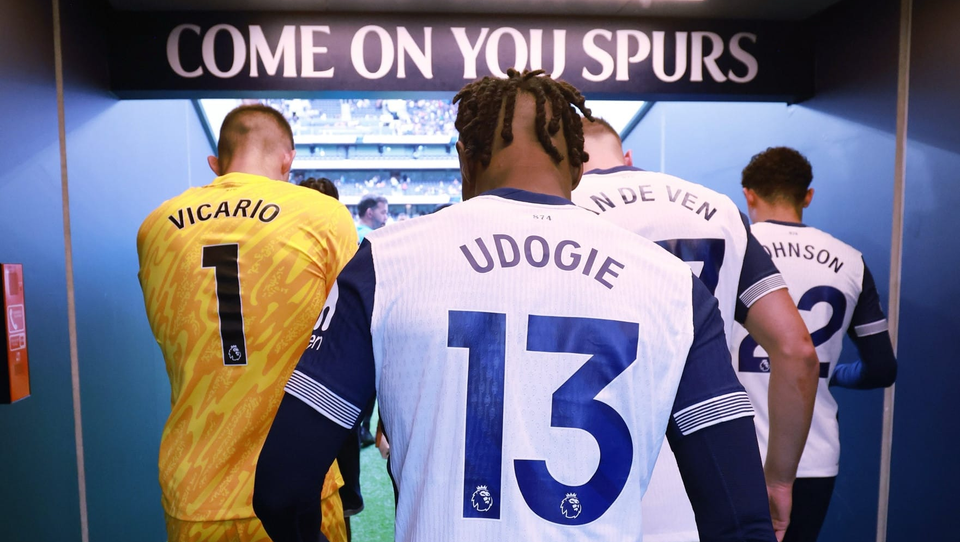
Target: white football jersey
x=826 y=278
x=705 y=229
x=700 y=226
x=527 y=359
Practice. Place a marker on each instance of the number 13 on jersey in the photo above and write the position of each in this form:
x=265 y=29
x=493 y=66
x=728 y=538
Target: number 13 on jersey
x=613 y=347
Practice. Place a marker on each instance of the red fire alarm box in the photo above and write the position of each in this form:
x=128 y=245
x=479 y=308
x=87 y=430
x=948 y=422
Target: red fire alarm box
x=14 y=370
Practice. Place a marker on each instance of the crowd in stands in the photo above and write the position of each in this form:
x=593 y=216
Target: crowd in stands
x=376 y=117
x=351 y=185
x=368 y=117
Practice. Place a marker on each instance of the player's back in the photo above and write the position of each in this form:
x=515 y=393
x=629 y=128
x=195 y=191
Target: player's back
x=825 y=278
x=233 y=274
x=698 y=225
x=705 y=229
x=566 y=336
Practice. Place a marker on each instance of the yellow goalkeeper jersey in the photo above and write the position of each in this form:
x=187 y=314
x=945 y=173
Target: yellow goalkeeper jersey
x=234 y=275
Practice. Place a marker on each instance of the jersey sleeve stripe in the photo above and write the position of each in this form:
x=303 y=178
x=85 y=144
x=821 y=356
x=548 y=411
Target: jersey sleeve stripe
x=695 y=418
x=719 y=416
x=320 y=406
x=320 y=398
x=761 y=288
x=713 y=411
x=871 y=329
x=698 y=415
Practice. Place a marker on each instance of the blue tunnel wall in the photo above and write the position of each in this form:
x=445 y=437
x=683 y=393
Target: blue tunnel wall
x=39 y=497
x=926 y=430
x=124 y=157
x=848 y=133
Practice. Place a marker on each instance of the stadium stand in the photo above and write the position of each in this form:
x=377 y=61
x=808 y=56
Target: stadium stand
x=363 y=117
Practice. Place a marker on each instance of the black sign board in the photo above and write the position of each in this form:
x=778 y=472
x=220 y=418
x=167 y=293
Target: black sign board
x=201 y=54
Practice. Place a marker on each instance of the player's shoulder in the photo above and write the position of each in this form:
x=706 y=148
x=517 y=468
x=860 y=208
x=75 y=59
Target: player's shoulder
x=841 y=249
x=646 y=250
x=176 y=202
x=311 y=205
x=812 y=234
x=819 y=253
x=600 y=177
x=164 y=210
x=835 y=240
x=407 y=232
x=703 y=192
x=423 y=233
x=633 y=245
x=643 y=176
x=446 y=221
x=421 y=230
x=300 y=194
x=766 y=229
x=673 y=188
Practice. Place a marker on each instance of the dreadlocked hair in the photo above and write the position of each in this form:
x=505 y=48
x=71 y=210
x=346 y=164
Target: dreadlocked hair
x=480 y=104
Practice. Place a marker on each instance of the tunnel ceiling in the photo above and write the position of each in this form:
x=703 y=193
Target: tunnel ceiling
x=710 y=9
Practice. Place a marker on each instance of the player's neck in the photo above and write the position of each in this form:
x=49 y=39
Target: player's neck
x=600 y=159
x=764 y=211
x=531 y=173
x=531 y=181
x=253 y=166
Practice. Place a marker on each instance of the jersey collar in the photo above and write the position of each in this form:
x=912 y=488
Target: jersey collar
x=616 y=169
x=239 y=177
x=529 y=197
x=783 y=223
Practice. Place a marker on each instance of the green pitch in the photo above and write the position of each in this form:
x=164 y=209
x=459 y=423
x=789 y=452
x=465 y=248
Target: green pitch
x=375 y=523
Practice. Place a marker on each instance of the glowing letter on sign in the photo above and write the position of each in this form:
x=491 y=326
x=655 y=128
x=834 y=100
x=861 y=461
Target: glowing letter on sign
x=698 y=61
x=386 y=52
x=748 y=60
x=239 y=51
x=307 y=50
x=286 y=48
x=595 y=52
x=680 y=59
x=559 y=51
x=173 y=51
x=623 y=51
x=493 y=51
x=468 y=51
x=421 y=59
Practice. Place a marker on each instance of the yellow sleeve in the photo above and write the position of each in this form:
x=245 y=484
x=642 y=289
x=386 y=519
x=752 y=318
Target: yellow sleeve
x=147 y=230
x=340 y=244
x=142 y=234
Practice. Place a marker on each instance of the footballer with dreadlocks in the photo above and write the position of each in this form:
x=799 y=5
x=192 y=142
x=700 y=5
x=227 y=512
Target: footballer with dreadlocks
x=528 y=357
x=490 y=103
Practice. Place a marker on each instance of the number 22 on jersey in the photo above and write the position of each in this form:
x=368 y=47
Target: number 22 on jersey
x=749 y=362
x=224 y=260
x=613 y=347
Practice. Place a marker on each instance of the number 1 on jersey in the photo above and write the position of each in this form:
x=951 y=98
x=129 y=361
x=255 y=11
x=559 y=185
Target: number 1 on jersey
x=224 y=260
